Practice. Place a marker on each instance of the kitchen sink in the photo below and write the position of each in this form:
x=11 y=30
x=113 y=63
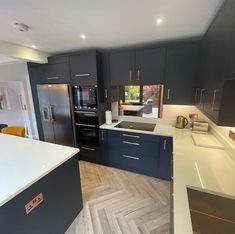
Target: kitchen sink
x=210 y=213
x=136 y=126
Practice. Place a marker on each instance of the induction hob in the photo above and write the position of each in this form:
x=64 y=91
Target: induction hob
x=136 y=126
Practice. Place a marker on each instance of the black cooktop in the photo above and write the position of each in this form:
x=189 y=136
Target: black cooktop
x=136 y=126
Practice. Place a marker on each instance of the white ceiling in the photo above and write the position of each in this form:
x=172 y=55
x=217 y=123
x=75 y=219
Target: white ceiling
x=56 y=25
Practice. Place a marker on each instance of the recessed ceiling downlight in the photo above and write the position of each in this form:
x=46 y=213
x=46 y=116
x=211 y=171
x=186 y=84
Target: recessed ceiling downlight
x=83 y=36
x=33 y=46
x=159 y=21
x=21 y=27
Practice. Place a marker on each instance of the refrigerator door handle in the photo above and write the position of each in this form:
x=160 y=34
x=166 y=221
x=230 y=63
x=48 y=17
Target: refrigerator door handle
x=52 y=113
x=45 y=112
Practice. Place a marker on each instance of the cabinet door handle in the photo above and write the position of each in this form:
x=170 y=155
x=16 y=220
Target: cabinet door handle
x=138 y=74
x=196 y=94
x=164 y=144
x=130 y=143
x=127 y=135
x=53 y=78
x=131 y=157
x=82 y=74
x=213 y=102
x=130 y=76
x=87 y=148
x=168 y=93
x=102 y=135
x=202 y=90
x=106 y=93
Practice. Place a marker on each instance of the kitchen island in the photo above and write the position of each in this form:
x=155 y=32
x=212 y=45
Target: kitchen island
x=40 y=186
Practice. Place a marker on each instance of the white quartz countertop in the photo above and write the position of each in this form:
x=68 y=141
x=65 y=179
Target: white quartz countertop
x=205 y=169
x=25 y=161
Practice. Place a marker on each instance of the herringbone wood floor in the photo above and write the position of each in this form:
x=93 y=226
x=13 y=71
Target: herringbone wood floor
x=117 y=201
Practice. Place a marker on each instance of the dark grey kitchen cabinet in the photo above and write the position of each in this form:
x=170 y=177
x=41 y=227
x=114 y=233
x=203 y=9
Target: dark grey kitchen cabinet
x=181 y=73
x=54 y=73
x=150 y=64
x=217 y=66
x=104 y=146
x=122 y=67
x=143 y=66
x=89 y=153
x=83 y=68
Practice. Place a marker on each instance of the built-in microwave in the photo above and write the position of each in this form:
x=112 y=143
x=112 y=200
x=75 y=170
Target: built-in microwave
x=85 y=97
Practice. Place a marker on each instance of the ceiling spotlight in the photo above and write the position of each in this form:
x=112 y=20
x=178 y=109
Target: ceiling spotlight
x=83 y=36
x=33 y=46
x=159 y=21
x=21 y=27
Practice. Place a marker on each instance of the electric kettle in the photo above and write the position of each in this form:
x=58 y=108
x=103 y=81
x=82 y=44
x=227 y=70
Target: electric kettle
x=181 y=122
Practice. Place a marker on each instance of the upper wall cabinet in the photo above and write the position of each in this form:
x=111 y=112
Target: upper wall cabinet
x=83 y=67
x=122 y=68
x=150 y=64
x=54 y=73
x=214 y=94
x=145 y=66
x=181 y=74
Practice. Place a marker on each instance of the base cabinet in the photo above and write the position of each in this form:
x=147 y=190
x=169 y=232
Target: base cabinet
x=62 y=202
x=141 y=153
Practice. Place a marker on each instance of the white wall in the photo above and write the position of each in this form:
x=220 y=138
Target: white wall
x=19 y=72
x=171 y=111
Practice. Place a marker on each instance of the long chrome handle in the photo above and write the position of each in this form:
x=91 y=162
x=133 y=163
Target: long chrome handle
x=102 y=135
x=168 y=94
x=87 y=148
x=82 y=74
x=86 y=125
x=138 y=74
x=53 y=78
x=196 y=94
x=130 y=76
x=127 y=135
x=130 y=143
x=131 y=157
x=213 y=102
x=106 y=93
x=51 y=113
x=202 y=90
x=164 y=144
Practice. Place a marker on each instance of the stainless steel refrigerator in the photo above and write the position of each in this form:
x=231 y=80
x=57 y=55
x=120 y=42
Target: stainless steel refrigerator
x=54 y=103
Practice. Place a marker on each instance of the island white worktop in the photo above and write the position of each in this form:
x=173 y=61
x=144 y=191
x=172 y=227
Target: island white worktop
x=206 y=169
x=25 y=161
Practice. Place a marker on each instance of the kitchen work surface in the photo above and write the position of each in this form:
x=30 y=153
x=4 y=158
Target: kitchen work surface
x=117 y=201
x=206 y=140
x=209 y=169
x=24 y=161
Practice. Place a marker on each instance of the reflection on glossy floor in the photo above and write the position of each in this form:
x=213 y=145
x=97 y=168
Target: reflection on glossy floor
x=117 y=201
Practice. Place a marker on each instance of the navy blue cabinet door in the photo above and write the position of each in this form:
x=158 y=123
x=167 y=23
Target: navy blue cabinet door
x=150 y=64
x=83 y=67
x=164 y=169
x=181 y=74
x=122 y=68
x=104 y=146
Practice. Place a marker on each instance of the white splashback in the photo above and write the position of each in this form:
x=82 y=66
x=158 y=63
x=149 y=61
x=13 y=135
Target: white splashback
x=171 y=111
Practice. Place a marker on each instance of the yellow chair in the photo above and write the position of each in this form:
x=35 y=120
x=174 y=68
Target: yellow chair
x=14 y=130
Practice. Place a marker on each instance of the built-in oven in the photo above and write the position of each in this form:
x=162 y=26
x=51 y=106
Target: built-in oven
x=85 y=97
x=87 y=127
